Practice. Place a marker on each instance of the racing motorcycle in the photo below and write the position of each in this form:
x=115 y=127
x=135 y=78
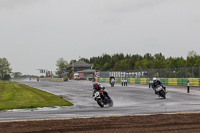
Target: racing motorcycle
x=102 y=98
x=161 y=91
x=112 y=82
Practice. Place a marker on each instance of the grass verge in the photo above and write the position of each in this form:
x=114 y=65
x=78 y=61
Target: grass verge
x=18 y=96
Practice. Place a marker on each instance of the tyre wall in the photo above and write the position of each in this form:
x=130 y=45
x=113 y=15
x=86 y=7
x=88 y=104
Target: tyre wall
x=165 y=81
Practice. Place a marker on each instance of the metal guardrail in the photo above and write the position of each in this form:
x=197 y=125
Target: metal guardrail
x=182 y=72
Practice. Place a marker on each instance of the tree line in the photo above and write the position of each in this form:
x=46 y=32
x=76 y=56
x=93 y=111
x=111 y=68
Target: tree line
x=119 y=62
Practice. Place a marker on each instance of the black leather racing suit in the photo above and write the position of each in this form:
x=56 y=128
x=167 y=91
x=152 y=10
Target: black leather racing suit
x=155 y=83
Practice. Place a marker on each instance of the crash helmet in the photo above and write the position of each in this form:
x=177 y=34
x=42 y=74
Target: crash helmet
x=154 y=79
x=95 y=85
x=101 y=87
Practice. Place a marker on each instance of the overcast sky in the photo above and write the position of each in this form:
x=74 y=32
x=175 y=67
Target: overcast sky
x=35 y=33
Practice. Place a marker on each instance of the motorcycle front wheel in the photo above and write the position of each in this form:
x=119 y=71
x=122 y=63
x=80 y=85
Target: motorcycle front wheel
x=162 y=94
x=100 y=102
x=112 y=84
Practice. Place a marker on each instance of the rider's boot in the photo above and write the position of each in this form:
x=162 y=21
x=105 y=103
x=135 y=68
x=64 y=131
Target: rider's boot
x=106 y=99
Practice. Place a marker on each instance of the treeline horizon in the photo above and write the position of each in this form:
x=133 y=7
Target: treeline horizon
x=119 y=62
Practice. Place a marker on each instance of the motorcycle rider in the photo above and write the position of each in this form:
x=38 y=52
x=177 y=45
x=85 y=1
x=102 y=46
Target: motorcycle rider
x=112 y=77
x=155 y=83
x=98 y=87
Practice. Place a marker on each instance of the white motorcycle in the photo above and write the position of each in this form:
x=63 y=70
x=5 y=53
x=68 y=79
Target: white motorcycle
x=112 y=82
x=161 y=91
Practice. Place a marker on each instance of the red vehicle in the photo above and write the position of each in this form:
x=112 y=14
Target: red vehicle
x=81 y=76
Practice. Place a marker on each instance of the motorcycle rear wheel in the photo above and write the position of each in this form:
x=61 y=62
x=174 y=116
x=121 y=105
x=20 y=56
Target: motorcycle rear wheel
x=110 y=103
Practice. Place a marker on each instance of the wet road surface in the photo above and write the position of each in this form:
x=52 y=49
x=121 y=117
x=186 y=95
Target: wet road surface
x=130 y=100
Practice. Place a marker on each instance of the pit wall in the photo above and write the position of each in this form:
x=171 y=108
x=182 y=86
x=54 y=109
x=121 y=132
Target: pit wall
x=165 y=81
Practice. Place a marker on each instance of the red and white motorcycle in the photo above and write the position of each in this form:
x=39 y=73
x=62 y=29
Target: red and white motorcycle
x=103 y=98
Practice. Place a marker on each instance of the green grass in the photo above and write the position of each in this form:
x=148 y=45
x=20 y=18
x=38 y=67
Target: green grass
x=18 y=96
x=7 y=82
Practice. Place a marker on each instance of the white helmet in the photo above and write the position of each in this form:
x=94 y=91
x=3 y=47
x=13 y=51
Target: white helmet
x=154 y=79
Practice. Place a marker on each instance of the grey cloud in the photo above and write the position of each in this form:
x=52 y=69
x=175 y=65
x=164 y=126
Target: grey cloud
x=9 y=4
x=113 y=6
x=113 y=11
x=38 y=32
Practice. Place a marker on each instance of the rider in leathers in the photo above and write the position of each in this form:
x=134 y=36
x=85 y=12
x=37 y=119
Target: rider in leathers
x=111 y=77
x=155 y=83
x=98 y=87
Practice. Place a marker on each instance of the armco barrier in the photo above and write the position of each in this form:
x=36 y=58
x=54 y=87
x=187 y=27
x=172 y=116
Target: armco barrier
x=173 y=81
x=165 y=81
x=199 y=81
x=194 y=81
x=182 y=81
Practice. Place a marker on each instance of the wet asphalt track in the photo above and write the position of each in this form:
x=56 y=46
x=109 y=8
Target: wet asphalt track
x=130 y=100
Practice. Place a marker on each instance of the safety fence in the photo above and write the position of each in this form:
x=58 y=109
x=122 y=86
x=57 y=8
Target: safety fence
x=176 y=72
x=165 y=81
